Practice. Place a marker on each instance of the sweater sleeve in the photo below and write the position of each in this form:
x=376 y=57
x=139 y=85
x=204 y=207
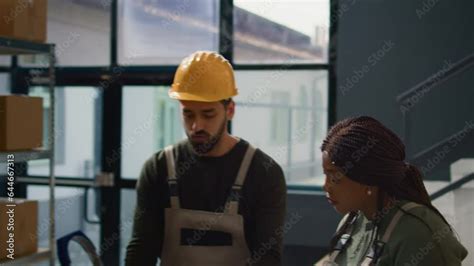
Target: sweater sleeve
x=148 y=222
x=270 y=212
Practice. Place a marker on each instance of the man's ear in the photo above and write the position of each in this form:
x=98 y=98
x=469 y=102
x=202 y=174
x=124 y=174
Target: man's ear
x=230 y=110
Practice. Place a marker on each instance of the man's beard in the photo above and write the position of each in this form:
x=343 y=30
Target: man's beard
x=207 y=146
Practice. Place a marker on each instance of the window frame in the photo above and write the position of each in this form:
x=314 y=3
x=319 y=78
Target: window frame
x=112 y=85
x=162 y=75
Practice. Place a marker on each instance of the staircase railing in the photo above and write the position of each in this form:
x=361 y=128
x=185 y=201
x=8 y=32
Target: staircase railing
x=436 y=79
x=452 y=186
x=432 y=81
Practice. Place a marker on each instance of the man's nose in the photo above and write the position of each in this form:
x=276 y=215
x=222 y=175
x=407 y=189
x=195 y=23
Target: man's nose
x=197 y=125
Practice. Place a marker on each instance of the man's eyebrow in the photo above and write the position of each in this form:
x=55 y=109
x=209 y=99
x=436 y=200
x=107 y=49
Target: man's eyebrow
x=187 y=111
x=208 y=110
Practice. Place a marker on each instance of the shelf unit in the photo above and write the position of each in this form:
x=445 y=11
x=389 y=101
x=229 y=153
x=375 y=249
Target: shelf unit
x=40 y=256
x=15 y=47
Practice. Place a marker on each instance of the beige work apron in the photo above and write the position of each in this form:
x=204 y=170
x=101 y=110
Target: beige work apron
x=186 y=230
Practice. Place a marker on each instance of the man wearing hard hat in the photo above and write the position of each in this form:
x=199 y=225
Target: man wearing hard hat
x=212 y=199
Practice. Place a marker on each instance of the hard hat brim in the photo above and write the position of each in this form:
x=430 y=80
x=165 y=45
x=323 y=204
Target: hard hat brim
x=185 y=96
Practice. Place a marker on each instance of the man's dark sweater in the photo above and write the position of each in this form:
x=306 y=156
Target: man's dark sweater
x=204 y=184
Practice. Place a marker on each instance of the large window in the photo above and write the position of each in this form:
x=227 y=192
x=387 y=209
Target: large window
x=4 y=83
x=128 y=202
x=81 y=31
x=162 y=32
x=70 y=211
x=150 y=122
x=275 y=31
x=284 y=113
x=279 y=50
x=4 y=89
x=5 y=60
x=77 y=143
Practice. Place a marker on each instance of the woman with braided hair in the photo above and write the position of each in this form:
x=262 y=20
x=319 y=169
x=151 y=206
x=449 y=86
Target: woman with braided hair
x=389 y=218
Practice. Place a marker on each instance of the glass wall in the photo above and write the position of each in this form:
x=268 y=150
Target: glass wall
x=81 y=31
x=284 y=113
x=150 y=121
x=5 y=60
x=129 y=199
x=70 y=211
x=77 y=136
x=4 y=83
x=276 y=31
x=162 y=32
x=280 y=53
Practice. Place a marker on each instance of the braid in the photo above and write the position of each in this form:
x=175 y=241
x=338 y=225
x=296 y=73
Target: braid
x=371 y=154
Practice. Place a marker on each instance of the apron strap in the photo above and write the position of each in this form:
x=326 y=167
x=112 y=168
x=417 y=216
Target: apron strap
x=172 y=178
x=343 y=241
x=341 y=244
x=388 y=232
x=232 y=204
x=332 y=258
x=395 y=220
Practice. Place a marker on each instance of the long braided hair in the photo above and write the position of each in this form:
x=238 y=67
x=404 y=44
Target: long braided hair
x=369 y=153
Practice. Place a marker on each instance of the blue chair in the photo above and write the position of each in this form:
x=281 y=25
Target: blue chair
x=80 y=238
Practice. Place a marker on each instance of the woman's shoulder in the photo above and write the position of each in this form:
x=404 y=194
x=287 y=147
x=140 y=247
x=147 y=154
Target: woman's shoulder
x=419 y=235
x=418 y=222
x=423 y=221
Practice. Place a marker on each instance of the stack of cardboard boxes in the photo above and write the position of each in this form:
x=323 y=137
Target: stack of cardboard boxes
x=23 y=19
x=21 y=122
x=19 y=228
x=21 y=129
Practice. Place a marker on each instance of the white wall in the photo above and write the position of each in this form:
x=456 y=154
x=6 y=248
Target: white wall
x=464 y=206
x=457 y=206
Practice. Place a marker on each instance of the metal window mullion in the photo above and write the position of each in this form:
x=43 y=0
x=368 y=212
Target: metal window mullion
x=290 y=142
x=52 y=140
x=113 y=33
x=332 y=54
x=226 y=29
x=110 y=233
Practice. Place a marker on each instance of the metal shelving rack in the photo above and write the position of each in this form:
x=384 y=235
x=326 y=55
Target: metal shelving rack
x=15 y=47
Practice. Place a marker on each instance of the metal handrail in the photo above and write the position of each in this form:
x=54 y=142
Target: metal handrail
x=435 y=146
x=452 y=186
x=436 y=79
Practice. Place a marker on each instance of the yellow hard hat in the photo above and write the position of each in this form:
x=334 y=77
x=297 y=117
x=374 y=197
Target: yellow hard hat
x=205 y=77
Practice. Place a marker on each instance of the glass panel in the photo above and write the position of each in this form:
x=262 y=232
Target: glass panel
x=5 y=60
x=276 y=31
x=81 y=31
x=4 y=89
x=127 y=208
x=4 y=83
x=285 y=114
x=165 y=31
x=150 y=122
x=77 y=136
x=69 y=217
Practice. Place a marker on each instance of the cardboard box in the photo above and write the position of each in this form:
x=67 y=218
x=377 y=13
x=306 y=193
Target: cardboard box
x=24 y=19
x=24 y=224
x=21 y=122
